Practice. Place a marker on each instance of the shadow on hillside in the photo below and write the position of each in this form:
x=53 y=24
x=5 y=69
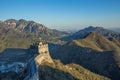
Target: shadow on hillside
x=102 y=63
x=49 y=73
x=52 y=47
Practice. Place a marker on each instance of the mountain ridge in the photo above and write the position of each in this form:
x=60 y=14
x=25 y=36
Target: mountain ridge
x=30 y=28
x=22 y=31
x=90 y=52
x=100 y=41
x=82 y=33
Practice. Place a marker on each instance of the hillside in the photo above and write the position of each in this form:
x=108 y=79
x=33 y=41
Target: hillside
x=21 y=33
x=27 y=29
x=59 y=71
x=82 y=33
x=97 y=42
x=14 y=43
x=94 y=52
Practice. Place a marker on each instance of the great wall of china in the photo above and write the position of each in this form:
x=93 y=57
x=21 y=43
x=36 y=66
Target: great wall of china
x=23 y=62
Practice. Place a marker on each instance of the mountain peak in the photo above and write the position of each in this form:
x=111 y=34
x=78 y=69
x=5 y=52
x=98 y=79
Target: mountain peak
x=94 y=36
x=99 y=27
x=84 y=32
x=95 y=41
x=22 y=20
x=10 y=20
x=90 y=27
x=93 y=28
x=29 y=28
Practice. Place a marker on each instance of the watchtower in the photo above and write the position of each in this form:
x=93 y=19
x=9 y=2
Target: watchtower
x=44 y=55
x=43 y=48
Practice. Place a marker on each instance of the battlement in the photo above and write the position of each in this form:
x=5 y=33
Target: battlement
x=43 y=48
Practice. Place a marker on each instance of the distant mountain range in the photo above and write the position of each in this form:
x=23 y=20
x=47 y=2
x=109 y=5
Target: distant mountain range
x=21 y=33
x=115 y=29
x=82 y=33
x=23 y=28
x=94 y=52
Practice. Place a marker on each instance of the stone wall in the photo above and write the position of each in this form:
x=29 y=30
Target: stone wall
x=43 y=48
x=44 y=55
x=43 y=58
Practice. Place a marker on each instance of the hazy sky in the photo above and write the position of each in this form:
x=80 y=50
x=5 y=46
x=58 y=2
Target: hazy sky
x=68 y=14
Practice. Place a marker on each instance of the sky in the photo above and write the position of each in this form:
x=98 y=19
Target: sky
x=63 y=14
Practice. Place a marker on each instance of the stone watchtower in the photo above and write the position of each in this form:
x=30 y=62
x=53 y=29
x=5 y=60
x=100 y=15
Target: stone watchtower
x=43 y=48
x=43 y=55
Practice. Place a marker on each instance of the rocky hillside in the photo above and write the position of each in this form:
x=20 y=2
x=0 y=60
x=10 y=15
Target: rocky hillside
x=59 y=71
x=94 y=52
x=97 y=42
x=82 y=33
x=50 y=69
x=21 y=33
x=23 y=28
